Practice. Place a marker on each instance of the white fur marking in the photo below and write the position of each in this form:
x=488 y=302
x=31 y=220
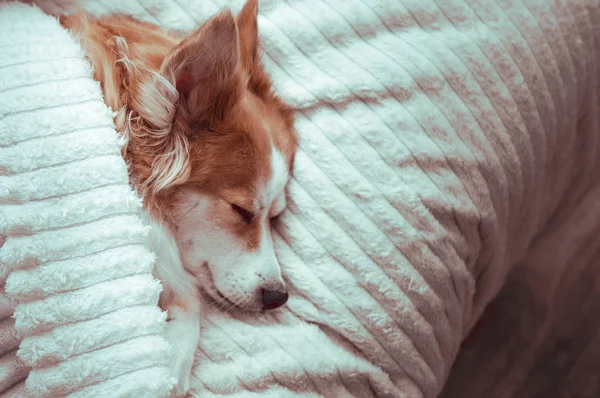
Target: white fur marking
x=179 y=298
x=274 y=195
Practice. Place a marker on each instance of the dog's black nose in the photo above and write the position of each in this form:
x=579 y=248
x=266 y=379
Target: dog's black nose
x=272 y=299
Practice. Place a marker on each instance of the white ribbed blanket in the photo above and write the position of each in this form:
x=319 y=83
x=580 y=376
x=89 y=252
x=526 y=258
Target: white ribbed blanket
x=73 y=257
x=438 y=139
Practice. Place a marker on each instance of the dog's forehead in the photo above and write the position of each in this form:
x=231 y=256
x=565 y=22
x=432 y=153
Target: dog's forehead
x=279 y=176
x=273 y=185
x=266 y=132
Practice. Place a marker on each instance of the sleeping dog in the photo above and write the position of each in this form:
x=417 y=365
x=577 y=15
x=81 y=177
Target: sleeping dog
x=210 y=149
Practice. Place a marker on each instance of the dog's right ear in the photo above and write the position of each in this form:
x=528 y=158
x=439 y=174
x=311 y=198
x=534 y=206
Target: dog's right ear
x=204 y=67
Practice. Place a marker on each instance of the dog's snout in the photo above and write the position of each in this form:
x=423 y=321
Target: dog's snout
x=272 y=299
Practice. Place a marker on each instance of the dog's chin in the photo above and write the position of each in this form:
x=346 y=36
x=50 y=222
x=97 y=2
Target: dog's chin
x=218 y=297
x=226 y=303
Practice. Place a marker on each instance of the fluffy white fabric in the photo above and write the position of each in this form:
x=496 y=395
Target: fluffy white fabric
x=73 y=254
x=438 y=139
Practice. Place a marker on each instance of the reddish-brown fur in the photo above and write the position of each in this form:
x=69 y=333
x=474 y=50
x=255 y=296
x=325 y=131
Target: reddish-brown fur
x=214 y=132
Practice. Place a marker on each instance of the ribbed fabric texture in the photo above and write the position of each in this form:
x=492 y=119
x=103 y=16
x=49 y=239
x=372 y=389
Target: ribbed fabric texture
x=73 y=259
x=438 y=139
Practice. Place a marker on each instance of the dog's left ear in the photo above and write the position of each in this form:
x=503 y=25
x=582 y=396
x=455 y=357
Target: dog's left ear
x=258 y=80
x=248 y=35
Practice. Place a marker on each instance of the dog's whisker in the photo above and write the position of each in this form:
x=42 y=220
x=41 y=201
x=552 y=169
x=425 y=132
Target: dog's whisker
x=232 y=307
x=188 y=211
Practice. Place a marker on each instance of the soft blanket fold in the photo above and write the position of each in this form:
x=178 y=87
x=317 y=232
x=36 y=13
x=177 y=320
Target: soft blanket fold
x=73 y=255
x=442 y=142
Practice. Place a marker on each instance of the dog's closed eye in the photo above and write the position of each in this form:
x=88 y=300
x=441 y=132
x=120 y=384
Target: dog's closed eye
x=246 y=215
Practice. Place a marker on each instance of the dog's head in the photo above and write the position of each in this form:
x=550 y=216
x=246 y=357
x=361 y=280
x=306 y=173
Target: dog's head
x=220 y=173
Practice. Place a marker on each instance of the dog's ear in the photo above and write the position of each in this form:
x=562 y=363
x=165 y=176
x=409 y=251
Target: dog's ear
x=258 y=80
x=248 y=35
x=205 y=65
